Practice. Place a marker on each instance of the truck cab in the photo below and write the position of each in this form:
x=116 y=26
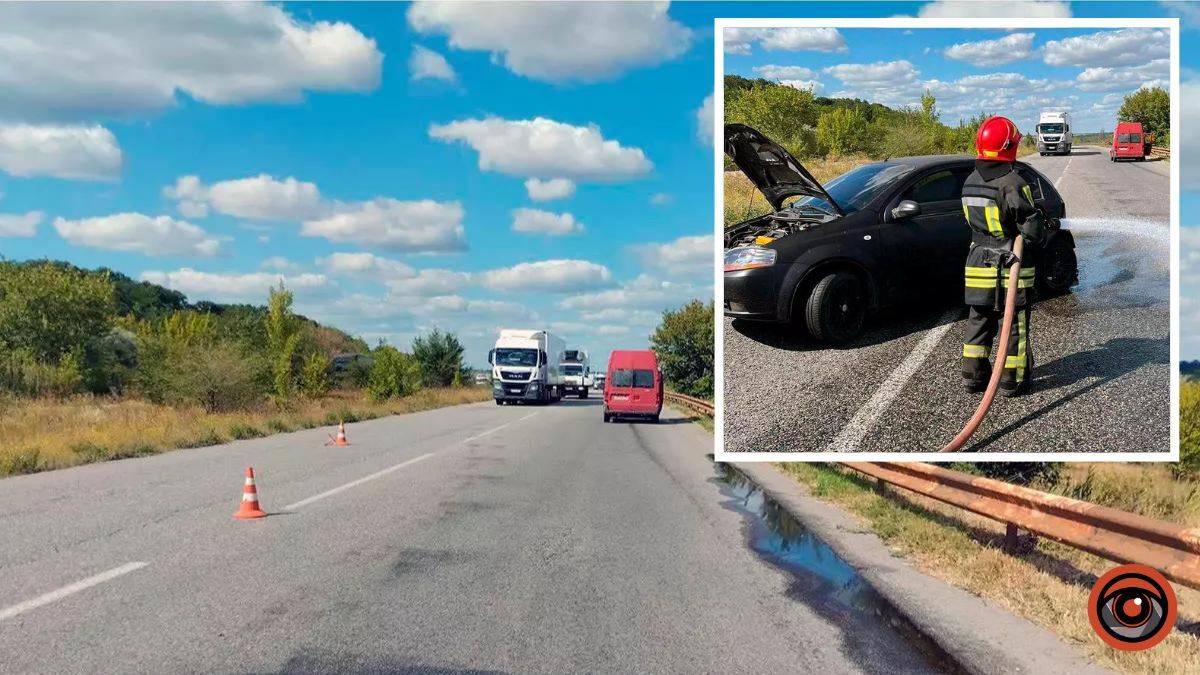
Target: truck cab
x=1054 y=135
x=526 y=367
x=1128 y=143
x=576 y=378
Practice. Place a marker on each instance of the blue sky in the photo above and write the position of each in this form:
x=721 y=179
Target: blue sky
x=399 y=166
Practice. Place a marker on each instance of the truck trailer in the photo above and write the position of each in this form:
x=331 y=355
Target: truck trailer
x=1054 y=135
x=527 y=367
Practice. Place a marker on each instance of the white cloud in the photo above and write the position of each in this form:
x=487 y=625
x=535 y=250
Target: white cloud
x=536 y=221
x=1126 y=47
x=1007 y=9
x=1188 y=13
x=260 y=197
x=550 y=276
x=740 y=40
x=685 y=255
x=704 y=120
x=774 y=72
x=874 y=75
x=96 y=59
x=1126 y=78
x=232 y=286
x=989 y=53
x=412 y=226
x=544 y=147
x=279 y=264
x=20 y=225
x=1189 y=135
x=645 y=292
x=80 y=152
x=814 y=86
x=154 y=236
x=546 y=190
x=364 y=265
x=661 y=198
x=559 y=41
x=426 y=64
x=429 y=282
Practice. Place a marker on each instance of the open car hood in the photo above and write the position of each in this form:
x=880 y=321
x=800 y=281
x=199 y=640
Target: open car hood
x=772 y=169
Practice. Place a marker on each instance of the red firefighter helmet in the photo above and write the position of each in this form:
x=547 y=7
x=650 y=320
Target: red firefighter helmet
x=997 y=140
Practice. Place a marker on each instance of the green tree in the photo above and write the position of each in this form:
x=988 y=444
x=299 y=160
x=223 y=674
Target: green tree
x=216 y=376
x=314 y=375
x=683 y=342
x=929 y=107
x=283 y=337
x=785 y=114
x=441 y=357
x=1151 y=107
x=393 y=373
x=842 y=131
x=52 y=310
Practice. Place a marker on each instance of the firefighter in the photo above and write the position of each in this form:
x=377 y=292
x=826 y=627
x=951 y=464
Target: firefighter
x=998 y=205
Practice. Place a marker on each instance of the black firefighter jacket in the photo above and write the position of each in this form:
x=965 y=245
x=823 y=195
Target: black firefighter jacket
x=998 y=204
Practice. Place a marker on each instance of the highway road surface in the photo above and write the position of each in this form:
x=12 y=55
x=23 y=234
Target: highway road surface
x=1101 y=374
x=473 y=539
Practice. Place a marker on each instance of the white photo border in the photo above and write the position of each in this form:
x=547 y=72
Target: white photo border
x=720 y=24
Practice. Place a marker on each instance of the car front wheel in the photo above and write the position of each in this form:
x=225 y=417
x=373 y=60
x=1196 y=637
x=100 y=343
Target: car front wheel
x=836 y=308
x=1057 y=269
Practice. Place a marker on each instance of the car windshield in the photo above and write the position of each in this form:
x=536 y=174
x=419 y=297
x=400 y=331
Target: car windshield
x=573 y=370
x=1050 y=128
x=856 y=188
x=1130 y=138
x=516 y=357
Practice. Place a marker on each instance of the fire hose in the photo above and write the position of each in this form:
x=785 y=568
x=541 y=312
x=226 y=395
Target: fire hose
x=1010 y=306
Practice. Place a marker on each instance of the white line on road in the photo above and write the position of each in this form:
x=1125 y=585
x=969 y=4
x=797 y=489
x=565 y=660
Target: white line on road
x=390 y=469
x=864 y=420
x=1064 y=171
x=83 y=584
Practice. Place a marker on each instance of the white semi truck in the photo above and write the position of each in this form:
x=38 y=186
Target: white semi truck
x=1054 y=134
x=527 y=366
x=577 y=377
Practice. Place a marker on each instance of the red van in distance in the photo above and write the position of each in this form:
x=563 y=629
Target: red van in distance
x=633 y=386
x=1127 y=142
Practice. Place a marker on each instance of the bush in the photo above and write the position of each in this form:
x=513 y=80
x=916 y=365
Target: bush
x=440 y=356
x=314 y=375
x=393 y=374
x=684 y=345
x=217 y=377
x=785 y=114
x=842 y=131
x=241 y=432
x=1189 y=430
x=51 y=309
x=25 y=460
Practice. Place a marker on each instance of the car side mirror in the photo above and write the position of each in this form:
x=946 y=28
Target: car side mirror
x=906 y=209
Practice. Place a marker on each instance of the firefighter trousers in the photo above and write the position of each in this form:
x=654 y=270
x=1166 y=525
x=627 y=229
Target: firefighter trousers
x=983 y=323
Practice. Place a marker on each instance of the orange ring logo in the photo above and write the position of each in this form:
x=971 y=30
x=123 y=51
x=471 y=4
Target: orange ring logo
x=1132 y=607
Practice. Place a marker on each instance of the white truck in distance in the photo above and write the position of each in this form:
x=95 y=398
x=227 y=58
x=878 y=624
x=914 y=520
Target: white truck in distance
x=527 y=366
x=577 y=377
x=1054 y=134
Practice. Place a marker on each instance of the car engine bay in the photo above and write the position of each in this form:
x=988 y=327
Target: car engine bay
x=766 y=229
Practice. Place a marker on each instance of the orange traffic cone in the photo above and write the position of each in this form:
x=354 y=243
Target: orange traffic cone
x=249 y=508
x=341 y=436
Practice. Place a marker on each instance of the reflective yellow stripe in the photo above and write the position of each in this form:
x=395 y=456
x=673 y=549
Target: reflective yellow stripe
x=966 y=214
x=981 y=283
x=1025 y=283
x=976 y=351
x=981 y=271
x=1018 y=361
x=1028 y=194
x=992 y=214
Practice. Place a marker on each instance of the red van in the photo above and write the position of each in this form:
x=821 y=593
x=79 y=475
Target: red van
x=633 y=386
x=1127 y=142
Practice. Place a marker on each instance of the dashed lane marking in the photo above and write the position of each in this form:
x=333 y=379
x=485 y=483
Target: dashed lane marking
x=70 y=589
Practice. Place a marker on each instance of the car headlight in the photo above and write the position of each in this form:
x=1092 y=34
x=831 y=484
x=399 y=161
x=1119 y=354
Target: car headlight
x=534 y=385
x=748 y=257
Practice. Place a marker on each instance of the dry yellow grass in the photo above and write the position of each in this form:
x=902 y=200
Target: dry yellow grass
x=47 y=434
x=743 y=200
x=1047 y=584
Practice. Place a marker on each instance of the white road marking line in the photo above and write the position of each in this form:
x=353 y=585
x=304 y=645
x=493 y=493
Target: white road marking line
x=864 y=420
x=83 y=584
x=1064 y=171
x=390 y=469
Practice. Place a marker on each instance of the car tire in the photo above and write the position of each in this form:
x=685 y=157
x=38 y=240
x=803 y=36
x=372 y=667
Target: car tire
x=836 y=308
x=607 y=418
x=499 y=402
x=654 y=419
x=1057 y=269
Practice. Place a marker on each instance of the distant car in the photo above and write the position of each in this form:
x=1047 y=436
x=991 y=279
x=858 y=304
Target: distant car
x=598 y=381
x=633 y=386
x=1128 y=143
x=879 y=235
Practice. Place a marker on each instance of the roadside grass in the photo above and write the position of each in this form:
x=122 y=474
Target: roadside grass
x=45 y=434
x=1045 y=582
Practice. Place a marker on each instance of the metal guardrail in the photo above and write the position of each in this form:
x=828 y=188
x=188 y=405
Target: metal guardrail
x=1157 y=151
x=1109 y=533
x=697 y=404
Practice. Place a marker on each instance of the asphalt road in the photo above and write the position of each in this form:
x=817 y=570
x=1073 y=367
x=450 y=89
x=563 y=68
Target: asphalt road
x=474 y=539
x=1102 y=356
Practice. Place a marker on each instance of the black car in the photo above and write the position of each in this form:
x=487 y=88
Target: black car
x=879 y=235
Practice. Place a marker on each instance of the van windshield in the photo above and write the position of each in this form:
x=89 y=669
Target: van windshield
x=1129 y=138
x=506 y=356
x=573 y=370
x=641 y=379
x=1050 y=128
x=856 y=188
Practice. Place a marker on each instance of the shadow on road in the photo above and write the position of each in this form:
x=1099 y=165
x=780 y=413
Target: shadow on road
x=678 y=420
x=1105 y=363
x=330 y=662
x=581 y=402
x=1089 y=151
